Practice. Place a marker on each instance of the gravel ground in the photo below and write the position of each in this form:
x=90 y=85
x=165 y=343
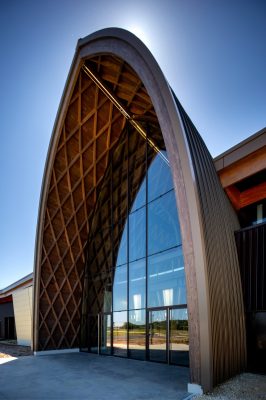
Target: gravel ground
x=242 y=387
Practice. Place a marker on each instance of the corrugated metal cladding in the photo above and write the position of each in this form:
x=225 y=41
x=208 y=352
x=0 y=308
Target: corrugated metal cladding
x=251 y=244
x=22 y=301
x=219 y=223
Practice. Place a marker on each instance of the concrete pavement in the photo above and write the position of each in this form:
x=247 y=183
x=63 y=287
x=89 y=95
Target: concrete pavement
x=86 y=376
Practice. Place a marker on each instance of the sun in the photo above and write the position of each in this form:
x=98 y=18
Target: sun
x=140 y=33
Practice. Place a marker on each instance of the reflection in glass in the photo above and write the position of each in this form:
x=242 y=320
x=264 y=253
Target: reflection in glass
x=166 y=279
x=137 y=234
x=157 y=335
x=140 y=198
x=159 y=177
x=122 y=266
x=179 y=343
x=100 y=292
x=120 y=333
x=102 y=220
x=107 y=299
x=119 y=198
x=137 y=284
x=137 y=171
x=105 y=345
x=168 y=297
x=137 y=334
x=120 y=288
x=121 y=257
x=118 y=179
x=93 y=333
x=163 y=226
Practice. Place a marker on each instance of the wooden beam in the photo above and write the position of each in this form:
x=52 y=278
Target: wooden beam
x=253 y=195
x=234 y=195
x=247 y=197
x=244 y=168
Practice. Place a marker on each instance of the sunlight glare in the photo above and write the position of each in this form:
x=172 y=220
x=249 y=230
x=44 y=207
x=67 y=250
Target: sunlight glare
x=140 y=33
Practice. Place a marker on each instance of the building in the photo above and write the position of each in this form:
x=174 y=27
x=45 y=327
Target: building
x=135 y=248
x=242 y=172
x=16 y=311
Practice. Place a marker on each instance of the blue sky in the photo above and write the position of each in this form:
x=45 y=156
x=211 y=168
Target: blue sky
x=212 y=52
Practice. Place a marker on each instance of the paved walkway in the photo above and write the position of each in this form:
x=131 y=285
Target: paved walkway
x=86 y=376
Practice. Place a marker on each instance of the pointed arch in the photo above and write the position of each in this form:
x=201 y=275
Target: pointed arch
x=87 y=127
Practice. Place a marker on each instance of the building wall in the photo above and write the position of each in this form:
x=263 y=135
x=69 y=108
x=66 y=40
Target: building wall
x=6 y=310
x=22 y=300
x=218 y=224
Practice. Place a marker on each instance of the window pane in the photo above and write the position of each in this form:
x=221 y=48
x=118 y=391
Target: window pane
x=137 y=334
x=120 y=244
x=166 y=279
x=159 y=177
x=99 y=296
x=137 y=170
x=157 y=335
x=120 y=288
x=140 y=198
x=105 y=341
x=120 y=333
x=163 y=224
x=137 y=234
x=119 y=184
x=179 y=343
x=119 y=198
x=137 y=284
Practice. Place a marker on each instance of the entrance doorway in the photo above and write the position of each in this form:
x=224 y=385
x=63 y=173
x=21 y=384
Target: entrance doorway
x=164 y=338
x=10 y=332
x=168 y=336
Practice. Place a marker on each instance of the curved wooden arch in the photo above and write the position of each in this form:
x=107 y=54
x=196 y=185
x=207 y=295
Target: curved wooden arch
x=87 y=127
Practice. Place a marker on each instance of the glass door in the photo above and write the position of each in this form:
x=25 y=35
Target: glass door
x=158 y=335
x=168 y=335
x=105 y=342
x=178 y=336
x=120 y=333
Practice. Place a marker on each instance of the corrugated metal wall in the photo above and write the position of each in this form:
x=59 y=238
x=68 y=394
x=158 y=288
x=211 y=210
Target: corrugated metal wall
x=251 y=245
x=219 y=222
x=22 y=301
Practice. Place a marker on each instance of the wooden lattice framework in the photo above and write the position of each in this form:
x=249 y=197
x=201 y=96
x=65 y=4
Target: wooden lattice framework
x=91 y=127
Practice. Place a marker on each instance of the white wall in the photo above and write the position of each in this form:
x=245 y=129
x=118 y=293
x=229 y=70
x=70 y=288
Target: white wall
x=22 y=302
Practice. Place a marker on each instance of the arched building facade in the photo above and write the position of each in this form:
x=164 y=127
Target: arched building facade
x=135 y=251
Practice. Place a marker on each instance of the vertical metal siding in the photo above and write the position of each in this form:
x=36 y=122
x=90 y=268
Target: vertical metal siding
x=219 y=222
x=251 y=244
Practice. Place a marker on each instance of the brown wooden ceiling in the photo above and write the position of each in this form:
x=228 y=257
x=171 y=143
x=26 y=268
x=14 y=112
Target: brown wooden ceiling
x=91 y=127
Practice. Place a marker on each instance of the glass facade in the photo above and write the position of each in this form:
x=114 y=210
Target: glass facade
x=134 y=298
